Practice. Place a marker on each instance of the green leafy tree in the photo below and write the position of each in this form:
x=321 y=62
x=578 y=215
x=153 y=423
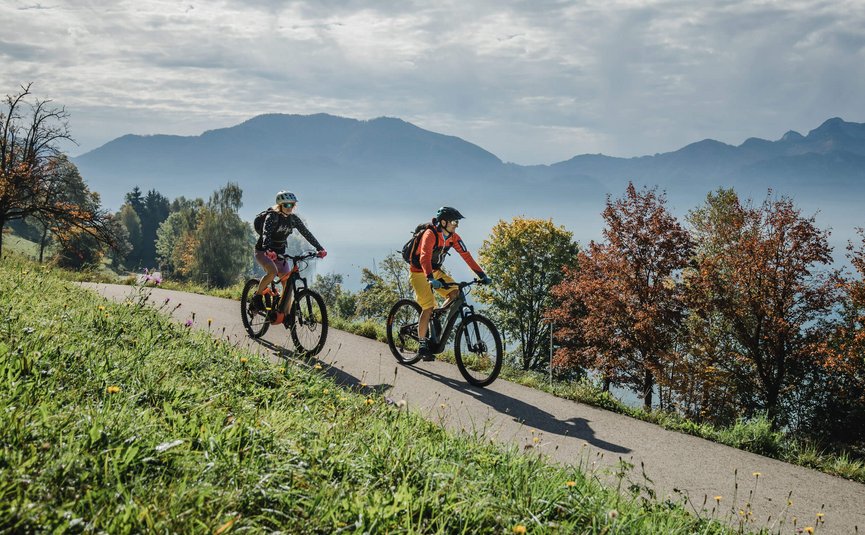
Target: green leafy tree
x=222 y=241
x=525 y=258
x=172 y=234
x=381 y=289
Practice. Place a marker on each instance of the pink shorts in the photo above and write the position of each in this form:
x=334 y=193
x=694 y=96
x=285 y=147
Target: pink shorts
x=280 y=265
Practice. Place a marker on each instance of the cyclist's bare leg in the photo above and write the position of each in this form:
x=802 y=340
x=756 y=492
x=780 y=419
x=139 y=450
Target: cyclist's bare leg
x=423 y=322
x=270 y=273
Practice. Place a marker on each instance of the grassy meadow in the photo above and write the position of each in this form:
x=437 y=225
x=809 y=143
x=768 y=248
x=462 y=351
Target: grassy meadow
x=116 y=419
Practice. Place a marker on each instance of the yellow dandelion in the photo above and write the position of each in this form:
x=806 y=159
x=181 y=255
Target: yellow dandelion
x=519 y=528
x=369 y=401
x=820 y=517
x=113 y=389
x=756 y=474
x=536 y=440
x=718 y=498
x=209 y=321
x=282 y=370
x=101 y=307
x=809 y=529
x=789 y=503
x=326 y=391
x=363 y=385
x=342 y=398
x=571 y=484
x=244 y=360
x=317 y=367
x=442 y=406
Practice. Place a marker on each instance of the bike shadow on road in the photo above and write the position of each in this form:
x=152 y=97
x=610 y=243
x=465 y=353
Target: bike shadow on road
x=340 y=377
x=527 y=414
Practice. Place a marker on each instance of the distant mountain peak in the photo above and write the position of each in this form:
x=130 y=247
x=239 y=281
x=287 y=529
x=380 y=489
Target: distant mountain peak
x=791 y=136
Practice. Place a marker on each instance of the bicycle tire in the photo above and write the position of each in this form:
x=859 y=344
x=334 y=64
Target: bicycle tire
x=308 y=322
x=255 y=322
x=485 y=363
x=402 y=337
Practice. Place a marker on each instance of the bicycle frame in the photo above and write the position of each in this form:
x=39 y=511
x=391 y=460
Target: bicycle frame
x=292 y=283
x=458 y=309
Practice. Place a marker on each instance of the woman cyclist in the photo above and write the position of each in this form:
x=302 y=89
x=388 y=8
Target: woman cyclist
x=278 y=222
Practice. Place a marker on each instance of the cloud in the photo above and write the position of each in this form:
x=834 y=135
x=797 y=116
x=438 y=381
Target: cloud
x=532 y=82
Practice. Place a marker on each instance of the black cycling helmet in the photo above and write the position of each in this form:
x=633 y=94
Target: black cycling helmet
x=447 y=213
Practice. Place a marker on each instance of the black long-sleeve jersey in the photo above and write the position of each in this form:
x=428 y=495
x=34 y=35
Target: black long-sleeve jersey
x=275 y=231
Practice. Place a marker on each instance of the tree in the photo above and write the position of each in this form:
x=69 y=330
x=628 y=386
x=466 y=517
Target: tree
x=762 y=273
x=525 y=258
x=382 y=290
x=627 y=289
x=222 y=242
x=172 y=233
x=36 y=179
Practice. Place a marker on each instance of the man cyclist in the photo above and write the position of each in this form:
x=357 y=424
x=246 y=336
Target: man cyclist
x=279 y=221
x=426 y=272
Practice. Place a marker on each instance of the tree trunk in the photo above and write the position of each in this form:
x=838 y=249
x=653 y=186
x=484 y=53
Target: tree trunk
x=42 y=243
x=648 y=384
x=2 y=226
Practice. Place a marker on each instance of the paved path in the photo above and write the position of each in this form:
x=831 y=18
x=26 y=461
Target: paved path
x=566 y=431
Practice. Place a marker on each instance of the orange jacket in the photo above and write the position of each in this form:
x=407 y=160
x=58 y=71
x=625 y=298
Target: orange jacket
x=433 y=247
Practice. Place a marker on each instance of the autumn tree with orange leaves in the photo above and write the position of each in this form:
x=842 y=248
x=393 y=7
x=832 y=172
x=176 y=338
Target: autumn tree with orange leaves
x=620 y=312
x=36 y=179
x=761 y=295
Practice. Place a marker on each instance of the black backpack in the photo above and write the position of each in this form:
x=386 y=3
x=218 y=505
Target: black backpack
x=409 y=250
x=258 y=222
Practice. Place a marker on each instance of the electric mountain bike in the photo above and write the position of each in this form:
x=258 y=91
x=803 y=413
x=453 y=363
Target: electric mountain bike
x=298 y=308
x=477 y=343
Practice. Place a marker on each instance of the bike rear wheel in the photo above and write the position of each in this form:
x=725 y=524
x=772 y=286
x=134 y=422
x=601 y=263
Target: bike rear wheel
x=478 y=350
x=402 y=337
x=255 y=321
x=309 y=322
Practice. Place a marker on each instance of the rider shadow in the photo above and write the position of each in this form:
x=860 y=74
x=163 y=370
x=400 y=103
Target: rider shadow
x=340 y=377
x=529 y=415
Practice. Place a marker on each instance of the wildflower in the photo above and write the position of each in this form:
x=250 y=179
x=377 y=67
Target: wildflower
x=613 y=514
x=820 y=517
x=369 y=401
x=244 y=360
x=756 y=474
x=113 y=389
x=101 y=307
x=188 y=323
x=209 y=322
x=326 y=391
x=442 y=406
x=317 y=367
x=571 y=484
x=809 y=529
x=519 y=528
x=536 y=439
x=718 y=499
x=401 y=403
x=363 y=385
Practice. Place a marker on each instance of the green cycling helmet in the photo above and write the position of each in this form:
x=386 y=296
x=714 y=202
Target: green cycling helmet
x=448 y=213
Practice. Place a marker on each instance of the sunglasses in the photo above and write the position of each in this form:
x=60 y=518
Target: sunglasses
x=287 y=204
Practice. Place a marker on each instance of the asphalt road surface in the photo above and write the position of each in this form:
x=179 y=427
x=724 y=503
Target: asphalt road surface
x=565 y=431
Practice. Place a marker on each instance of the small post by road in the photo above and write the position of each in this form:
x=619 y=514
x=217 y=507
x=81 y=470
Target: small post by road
x=551 y=354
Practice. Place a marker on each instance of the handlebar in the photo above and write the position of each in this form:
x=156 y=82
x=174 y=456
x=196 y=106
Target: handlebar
x=296 y=259
x=460 y=285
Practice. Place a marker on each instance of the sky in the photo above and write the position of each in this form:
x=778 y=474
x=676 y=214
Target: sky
x=533 y=82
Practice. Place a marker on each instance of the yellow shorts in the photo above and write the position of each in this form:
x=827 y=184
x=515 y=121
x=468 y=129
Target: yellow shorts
x=423 y=292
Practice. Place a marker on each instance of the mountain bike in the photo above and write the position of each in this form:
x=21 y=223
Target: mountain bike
x=298 y=308
x=477 y=343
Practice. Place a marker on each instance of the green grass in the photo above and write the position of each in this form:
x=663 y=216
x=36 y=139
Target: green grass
x=115 y=419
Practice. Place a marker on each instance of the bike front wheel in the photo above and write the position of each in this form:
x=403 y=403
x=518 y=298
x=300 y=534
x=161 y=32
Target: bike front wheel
x=309 y=322
x=402 y=337
x=478 y=350
x=254 y=321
